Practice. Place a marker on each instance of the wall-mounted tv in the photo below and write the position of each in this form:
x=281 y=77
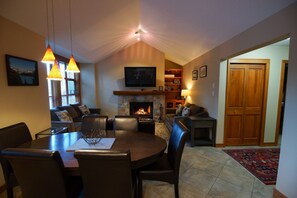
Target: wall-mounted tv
x=140 y=76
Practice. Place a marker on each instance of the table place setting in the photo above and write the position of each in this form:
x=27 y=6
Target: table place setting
x=104 y=143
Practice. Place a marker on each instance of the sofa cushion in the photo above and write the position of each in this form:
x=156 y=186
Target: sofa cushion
x=186 y=111
x=75 y=106
x=54 y=116
x=194 y=109
x=72 y=112
x=64 y=115
x=84 y=109
x=179 y=110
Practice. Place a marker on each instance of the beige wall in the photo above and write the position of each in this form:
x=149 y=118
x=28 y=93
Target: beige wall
x=27 y=104
x=205 y=91
x=109 y=73
x=88 y=85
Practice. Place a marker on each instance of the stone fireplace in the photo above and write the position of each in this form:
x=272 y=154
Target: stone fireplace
x=156 y=100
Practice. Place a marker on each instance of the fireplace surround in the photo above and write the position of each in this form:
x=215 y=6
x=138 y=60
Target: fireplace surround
x=157 y=100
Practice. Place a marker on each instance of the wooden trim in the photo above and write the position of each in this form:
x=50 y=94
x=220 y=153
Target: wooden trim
x=2 y=188
x=134 y=93
x=278 y=194
x=267 y=70
x=280 y=98
x=220 y=145
x=269 y=144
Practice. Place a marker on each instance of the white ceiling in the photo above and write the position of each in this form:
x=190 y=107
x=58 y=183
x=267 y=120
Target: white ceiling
x=183 y=30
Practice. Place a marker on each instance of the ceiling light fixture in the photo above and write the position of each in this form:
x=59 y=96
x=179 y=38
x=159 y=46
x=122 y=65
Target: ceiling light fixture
x=55 y=73
x=49 y=56
x=71 y=67
x=138 y=34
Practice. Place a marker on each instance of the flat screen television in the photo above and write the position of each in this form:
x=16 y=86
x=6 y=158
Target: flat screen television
x=140 y=76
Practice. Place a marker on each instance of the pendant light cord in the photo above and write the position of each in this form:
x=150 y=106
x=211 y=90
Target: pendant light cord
x=53 y=18
x=70 y=26
x=47 y=21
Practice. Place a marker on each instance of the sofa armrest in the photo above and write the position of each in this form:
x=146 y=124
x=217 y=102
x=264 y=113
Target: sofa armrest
x=59 y=124
x=183 y=119
x=95 y=110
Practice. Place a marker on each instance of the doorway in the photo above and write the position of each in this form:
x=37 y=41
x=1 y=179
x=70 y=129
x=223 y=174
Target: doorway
x=247 y=82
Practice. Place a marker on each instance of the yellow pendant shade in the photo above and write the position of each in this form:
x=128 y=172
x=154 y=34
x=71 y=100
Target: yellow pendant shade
x=55 y=73
x=72 y=67
x=49 y=56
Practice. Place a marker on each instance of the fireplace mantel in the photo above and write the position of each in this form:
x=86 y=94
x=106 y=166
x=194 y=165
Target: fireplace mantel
x=137 y=93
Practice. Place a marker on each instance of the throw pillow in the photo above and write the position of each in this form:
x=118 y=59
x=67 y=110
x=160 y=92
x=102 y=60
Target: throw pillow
x=84 y=109
x=64 y=116
x=186 y=111
x=179 y=110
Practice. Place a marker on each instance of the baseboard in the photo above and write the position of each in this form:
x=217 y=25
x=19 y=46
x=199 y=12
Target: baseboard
x=2 y=188
x=268 y=144
x=277 y=194
x=220 y=145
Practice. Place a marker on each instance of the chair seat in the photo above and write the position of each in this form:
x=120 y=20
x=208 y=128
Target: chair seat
x=160 y=170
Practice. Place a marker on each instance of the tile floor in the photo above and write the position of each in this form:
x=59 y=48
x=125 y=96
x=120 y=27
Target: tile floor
x=205 y=172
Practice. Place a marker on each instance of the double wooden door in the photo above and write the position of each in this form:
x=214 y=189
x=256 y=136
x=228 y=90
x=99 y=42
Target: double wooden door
x=245 y=99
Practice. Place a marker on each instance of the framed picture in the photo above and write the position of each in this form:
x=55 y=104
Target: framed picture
x=21 y=71
x=194 y=74
x=203 y=71
x=160 y=88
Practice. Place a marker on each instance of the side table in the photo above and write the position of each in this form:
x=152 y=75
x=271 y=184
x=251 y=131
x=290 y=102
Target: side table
x=198 y=127
x=51 y=131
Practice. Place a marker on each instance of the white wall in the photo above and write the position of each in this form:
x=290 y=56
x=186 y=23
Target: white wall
x=275 y=27
x=27 y=104
x=109 y=73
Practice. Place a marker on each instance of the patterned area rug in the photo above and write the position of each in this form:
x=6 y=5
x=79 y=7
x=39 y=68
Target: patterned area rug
x=263 y=163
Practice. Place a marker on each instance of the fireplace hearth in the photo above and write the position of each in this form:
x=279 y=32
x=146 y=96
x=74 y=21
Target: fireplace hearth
x=142 y=109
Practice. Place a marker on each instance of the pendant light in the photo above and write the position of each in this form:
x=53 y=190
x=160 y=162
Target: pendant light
x=55 y=73
x=71 y=67
x=49 y=56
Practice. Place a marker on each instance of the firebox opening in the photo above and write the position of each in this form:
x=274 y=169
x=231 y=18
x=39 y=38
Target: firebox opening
x=141 y=109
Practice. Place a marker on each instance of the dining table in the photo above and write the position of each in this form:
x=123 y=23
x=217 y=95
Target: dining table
x=144 y=148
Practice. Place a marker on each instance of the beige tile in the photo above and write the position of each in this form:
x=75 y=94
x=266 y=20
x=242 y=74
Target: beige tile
x=221 y=188
x=261 y=190
x=197 y=179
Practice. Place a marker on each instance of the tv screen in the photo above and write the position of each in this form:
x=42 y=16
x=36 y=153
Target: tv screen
x=140 y=76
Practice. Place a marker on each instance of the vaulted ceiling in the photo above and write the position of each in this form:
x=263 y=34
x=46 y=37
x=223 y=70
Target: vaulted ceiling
x=183 y=30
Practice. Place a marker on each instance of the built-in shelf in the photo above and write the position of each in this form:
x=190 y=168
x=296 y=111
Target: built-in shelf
x=135 y=93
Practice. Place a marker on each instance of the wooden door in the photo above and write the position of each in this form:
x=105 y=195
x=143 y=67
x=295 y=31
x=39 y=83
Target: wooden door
x=246 y=87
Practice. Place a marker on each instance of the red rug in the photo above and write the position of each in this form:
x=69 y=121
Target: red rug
x=262 y=163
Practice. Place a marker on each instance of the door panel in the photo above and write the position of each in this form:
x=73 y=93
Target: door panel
x=236 y=84
x=244 y=103
x=233 y=126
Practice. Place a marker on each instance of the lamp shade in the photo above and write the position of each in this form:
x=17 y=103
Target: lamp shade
x=72 y=67
x=55 y=73
x=49 y=56
x=184 y=92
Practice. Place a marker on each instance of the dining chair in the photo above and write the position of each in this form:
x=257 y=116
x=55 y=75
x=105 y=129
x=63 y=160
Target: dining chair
x=167 y=167
x=90 y=122
x=105 y=173
x=12 y=136
x=40 y=173
x=126 y=123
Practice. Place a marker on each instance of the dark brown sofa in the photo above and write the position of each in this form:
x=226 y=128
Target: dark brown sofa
x=74 y=112
x=182 y=114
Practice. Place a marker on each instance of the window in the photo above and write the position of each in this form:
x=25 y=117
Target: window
x=66 y=91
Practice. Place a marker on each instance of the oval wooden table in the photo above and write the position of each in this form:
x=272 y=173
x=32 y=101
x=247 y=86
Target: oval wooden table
x=145 y=148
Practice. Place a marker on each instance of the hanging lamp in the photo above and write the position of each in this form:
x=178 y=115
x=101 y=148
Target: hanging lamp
x=55 y=73
x=72 y=66
x=49 y=56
